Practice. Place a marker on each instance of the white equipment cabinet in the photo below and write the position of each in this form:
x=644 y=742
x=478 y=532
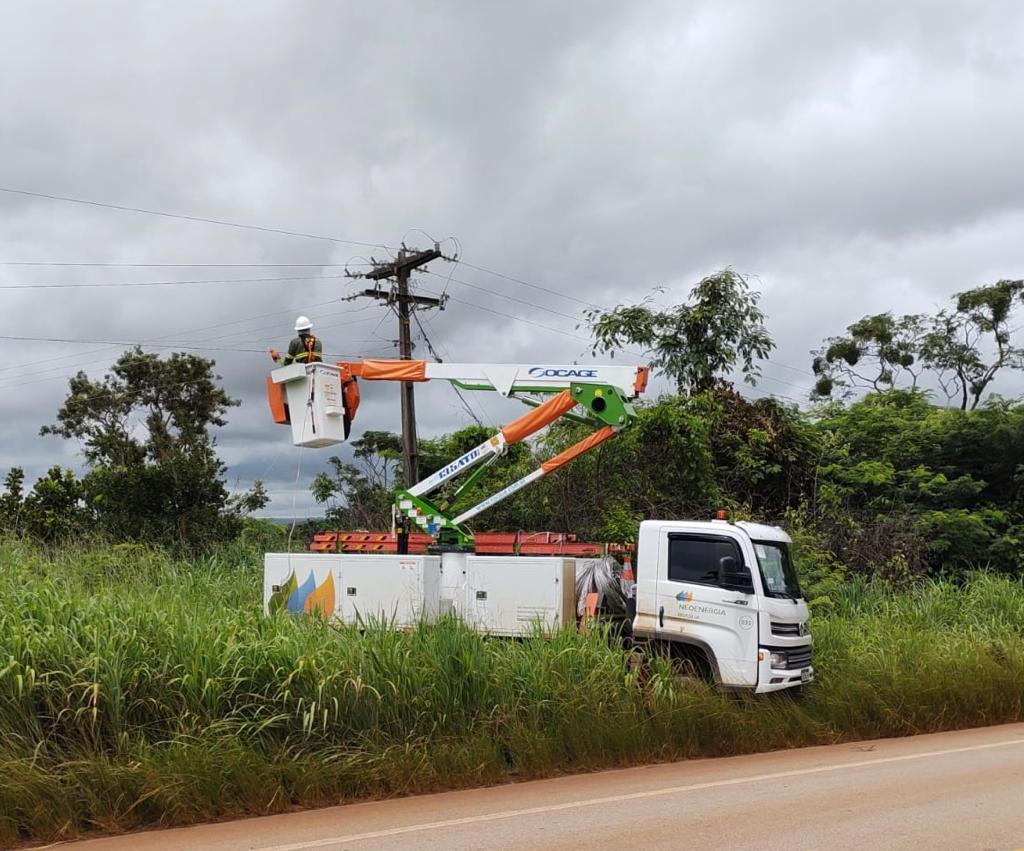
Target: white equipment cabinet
x=518 y=595
x=399 y=590
x=453 y=584
x=315 y=404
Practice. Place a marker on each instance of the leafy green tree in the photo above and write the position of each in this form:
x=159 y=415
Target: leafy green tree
x=955 y=346
x=11 y=500
x=684 y=457
x=660 y=467
x=359 y=495
x=933 y=487
x=877 y=352
x=695 y=344
x=962 y=348
x=517 y=512
x=764 y=453
x=55 y=509
x=145 y=430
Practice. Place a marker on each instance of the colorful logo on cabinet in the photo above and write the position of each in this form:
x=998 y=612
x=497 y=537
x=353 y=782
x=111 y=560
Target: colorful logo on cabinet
x=304 y=598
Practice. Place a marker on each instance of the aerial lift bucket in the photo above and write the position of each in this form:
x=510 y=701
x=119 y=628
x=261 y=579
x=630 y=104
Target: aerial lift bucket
x=319 y=401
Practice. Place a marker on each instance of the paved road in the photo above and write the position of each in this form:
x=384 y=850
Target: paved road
x=959 y=791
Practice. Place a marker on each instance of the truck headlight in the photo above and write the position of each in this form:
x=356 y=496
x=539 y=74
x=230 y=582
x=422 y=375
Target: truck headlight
x=778 y=660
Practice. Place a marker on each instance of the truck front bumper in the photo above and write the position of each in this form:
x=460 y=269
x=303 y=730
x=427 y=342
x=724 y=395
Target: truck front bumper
x=777 y=679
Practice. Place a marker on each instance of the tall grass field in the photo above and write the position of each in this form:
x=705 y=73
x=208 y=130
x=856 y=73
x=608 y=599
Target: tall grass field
x=138 y=690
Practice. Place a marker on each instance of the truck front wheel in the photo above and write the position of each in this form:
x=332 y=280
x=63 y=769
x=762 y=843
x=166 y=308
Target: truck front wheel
x=687 y=661
x=692 y=662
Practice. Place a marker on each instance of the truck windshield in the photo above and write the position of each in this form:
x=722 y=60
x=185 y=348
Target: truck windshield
x=777 y=571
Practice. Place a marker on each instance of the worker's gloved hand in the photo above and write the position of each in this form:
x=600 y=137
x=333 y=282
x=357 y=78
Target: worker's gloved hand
x=275 y=355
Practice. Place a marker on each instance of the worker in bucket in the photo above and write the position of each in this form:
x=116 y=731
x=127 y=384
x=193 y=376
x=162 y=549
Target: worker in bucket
x=303 y=349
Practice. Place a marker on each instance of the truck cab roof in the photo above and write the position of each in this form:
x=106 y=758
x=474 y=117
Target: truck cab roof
x=755 y=531
x=760 y=532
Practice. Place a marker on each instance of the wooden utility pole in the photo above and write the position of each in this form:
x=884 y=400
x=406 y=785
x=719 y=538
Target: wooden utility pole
x=404 y=302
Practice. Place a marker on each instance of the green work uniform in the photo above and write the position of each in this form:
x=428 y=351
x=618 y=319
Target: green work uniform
x=304 y=349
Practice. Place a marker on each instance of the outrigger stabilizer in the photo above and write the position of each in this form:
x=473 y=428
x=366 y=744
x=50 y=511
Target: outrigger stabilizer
x=328 y=396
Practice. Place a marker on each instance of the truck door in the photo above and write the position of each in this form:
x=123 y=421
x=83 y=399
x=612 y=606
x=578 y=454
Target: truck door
x=693 y=605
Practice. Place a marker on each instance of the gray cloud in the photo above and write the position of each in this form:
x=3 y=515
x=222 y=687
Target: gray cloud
x=856 y=159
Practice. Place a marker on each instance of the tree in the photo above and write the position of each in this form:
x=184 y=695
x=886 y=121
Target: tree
x=145 y=429
x=55 y=509
x=962 y=349
x=520 y=511
x=876 y=353
x=696 y=343
x=11 y=500
x=903 y=480
x=953 y=348
x=360 y=496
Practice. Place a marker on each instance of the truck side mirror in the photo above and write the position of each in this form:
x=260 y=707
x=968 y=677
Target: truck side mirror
x=734 y=576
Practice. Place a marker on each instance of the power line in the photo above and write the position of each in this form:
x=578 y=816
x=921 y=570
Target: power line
x=203 y=219
x=515 y=318
x=335 y=277
x=554 y=312
x=449 y=278
x=780 y=381
x=216 y=326
x=142 y=343
x=220 y=325
x=479 y=402
x=321 y=237
x=439 y=359
x=89 y=285
x=106 y=265
x=514 y=279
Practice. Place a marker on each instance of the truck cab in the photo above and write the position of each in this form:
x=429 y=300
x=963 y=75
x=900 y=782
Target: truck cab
x=727 y=594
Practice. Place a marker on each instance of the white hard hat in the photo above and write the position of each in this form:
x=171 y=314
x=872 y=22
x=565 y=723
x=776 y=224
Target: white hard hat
x=303 y=324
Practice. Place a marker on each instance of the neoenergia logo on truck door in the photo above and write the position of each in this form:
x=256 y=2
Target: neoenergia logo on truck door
x=689 y=609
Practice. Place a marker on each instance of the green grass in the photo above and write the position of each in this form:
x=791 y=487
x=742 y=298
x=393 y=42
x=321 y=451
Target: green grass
x=138 y=690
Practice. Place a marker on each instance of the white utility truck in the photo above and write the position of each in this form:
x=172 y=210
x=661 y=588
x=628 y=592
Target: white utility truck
x=722 y=596
x=726 y=596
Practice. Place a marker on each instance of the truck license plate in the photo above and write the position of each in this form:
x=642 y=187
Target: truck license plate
x=805 y=675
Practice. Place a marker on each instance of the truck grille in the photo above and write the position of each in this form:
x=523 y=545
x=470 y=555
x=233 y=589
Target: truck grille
x=798 y=658
x=787 y=629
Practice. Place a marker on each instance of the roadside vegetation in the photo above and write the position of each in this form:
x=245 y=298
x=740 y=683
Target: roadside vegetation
x=141 y=685
x=137 y=689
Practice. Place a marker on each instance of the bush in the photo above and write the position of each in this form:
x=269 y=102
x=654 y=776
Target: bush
x=137 y=690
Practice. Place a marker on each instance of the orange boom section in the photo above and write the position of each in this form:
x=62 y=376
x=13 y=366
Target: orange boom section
x=534 y=420
x=577 y=449
x=389 y=370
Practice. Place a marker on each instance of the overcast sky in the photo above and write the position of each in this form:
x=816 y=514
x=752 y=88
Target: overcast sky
x=856 y=158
